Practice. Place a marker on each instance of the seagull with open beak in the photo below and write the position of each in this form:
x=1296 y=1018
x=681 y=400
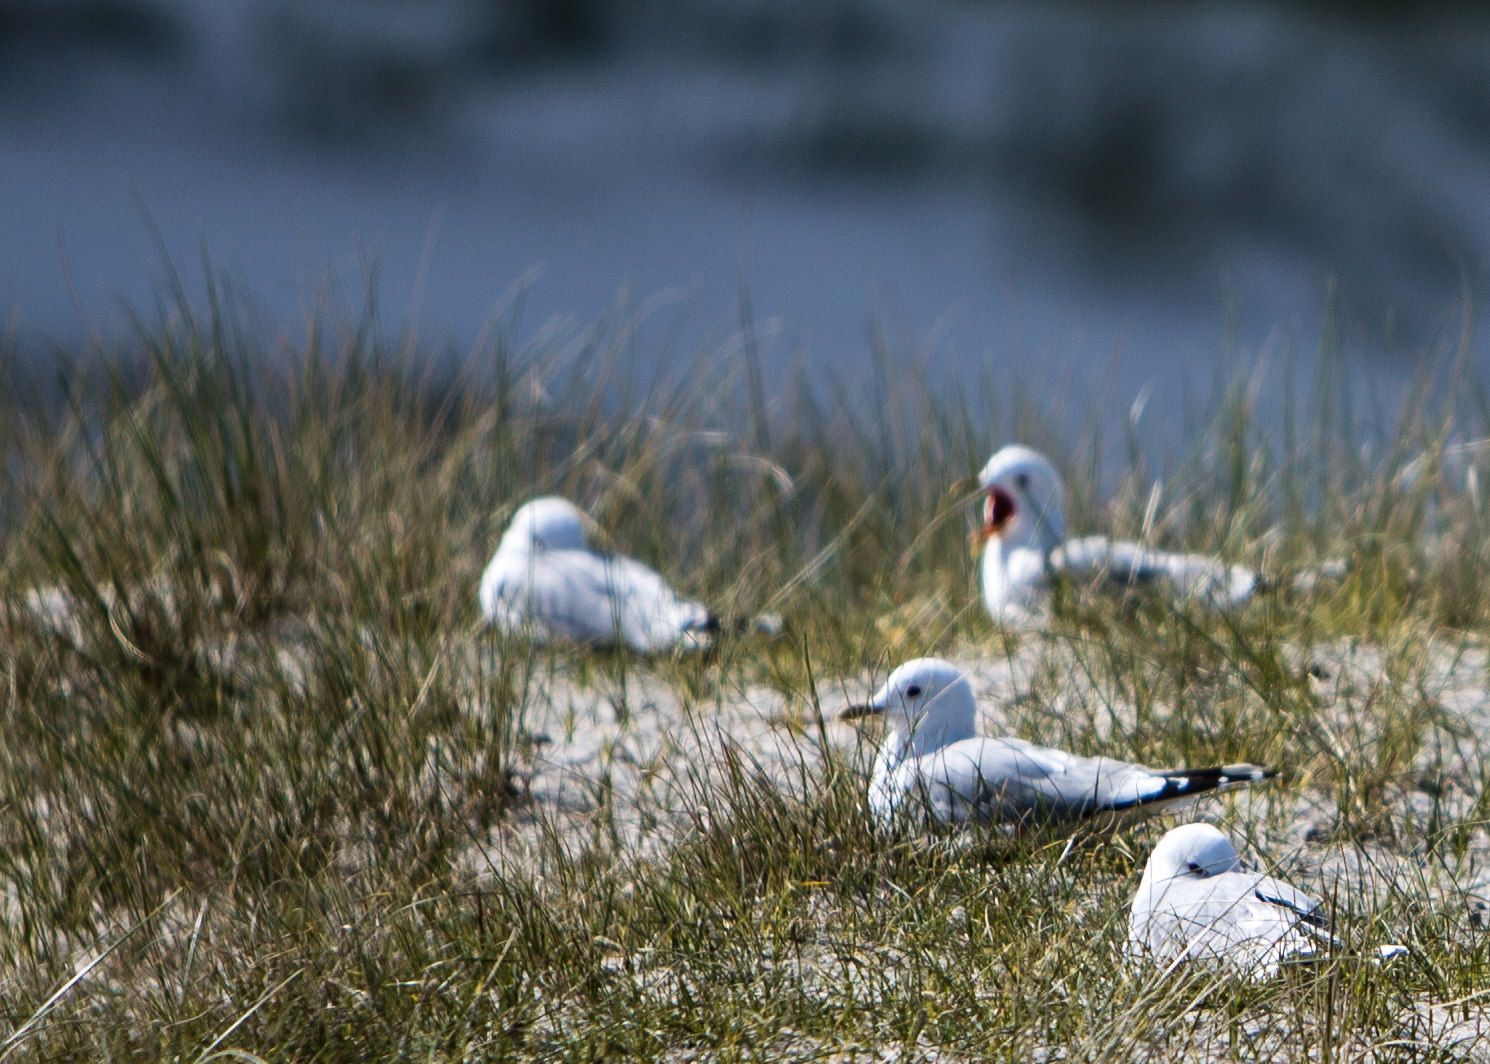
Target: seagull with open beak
x=1024 y=544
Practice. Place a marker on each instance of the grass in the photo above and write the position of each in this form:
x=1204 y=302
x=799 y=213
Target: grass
x=268 y=790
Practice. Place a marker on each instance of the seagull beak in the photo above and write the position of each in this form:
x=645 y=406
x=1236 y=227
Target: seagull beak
x=875 y=707
x=998 y=511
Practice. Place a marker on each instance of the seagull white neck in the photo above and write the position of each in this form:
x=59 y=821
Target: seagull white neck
x=1012 y=576
x=894 y=751
x=896 y=748
x=931 y=733
x=1040 y=532
x=907 y=744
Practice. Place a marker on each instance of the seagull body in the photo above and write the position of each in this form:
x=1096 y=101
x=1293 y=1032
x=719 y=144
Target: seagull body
x=934 y=763
x=1196 y=902
x=1024 y=534
x=545 y=580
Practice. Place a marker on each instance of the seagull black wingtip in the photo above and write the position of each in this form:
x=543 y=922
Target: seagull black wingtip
x=1245 y=773
x=1190 y=782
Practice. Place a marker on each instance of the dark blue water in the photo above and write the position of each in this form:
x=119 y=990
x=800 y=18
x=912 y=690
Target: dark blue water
x=1030 y=189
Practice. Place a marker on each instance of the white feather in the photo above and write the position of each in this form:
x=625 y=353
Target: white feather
x=545 y=581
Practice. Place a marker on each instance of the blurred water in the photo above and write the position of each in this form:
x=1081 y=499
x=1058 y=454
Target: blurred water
x=1025 y=187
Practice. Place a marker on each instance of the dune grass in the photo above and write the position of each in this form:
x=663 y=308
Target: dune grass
x=261 y=770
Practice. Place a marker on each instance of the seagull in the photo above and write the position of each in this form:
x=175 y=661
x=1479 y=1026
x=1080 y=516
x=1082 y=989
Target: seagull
x=544 y=580
x=1197 y=902
x=1024 y=544
x=933 y=763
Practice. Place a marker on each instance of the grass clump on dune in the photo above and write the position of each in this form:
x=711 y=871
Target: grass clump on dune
x=267 y=787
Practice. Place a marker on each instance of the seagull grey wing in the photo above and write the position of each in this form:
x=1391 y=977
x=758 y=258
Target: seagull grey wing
x=1191 y=575
x=1285 y=895
x=1122 y=562
x=652 y=615
x=1084 y=559
x=1184 y=914
x=1101 y=783
x=561 y=594
x=1121 y=786
x=1013 y=781
x=1274 y=923
x=973 y=779
x=1210 y=579
x=1221 y=918
x=1131 y=564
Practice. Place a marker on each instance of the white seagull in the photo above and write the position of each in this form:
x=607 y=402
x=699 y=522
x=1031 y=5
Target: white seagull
x=544 y=580
x=1024 y=544
x=1197 y=902
x=934 y=764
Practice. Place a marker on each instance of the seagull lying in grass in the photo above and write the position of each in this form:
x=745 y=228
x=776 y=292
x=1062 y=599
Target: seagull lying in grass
x=933 y=765
x=1197 y=903
x=1024 y=545
x=544 y=580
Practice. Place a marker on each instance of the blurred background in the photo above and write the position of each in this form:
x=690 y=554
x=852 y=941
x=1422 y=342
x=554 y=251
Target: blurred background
x=1047 y=188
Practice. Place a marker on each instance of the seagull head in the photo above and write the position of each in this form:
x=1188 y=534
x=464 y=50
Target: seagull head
x=926 y=700
x=1195 y=850
x=548 y=523
x=1025 y=499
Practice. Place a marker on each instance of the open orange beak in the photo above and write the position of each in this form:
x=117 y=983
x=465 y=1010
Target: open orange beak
x=998 y=511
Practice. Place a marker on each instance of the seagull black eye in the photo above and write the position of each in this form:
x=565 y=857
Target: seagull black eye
x=1193 y=867
x=913 y=691
x=1023 y=480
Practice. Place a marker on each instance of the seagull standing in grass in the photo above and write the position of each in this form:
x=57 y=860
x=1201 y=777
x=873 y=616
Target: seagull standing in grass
x=1197 y=902
x=1024 y=544
x=933 y=764
x=544 y=580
